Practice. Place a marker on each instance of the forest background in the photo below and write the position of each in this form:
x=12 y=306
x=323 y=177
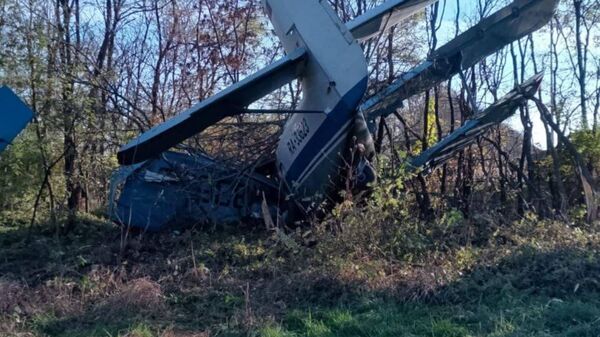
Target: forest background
x=515 y=213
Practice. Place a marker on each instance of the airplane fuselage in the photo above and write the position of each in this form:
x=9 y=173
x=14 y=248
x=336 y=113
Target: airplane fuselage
x=311 y=148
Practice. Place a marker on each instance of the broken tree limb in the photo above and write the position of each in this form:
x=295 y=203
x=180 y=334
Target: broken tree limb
x=589 y=189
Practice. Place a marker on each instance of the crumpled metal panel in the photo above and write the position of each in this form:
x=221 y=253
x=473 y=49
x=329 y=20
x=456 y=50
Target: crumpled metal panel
x=468 y=133
x=184 y=190
x=509 y=24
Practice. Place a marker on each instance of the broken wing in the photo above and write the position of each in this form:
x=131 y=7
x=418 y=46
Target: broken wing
x=230 y=102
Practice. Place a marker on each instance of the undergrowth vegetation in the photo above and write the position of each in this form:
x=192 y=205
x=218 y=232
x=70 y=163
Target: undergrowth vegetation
x=368 y=270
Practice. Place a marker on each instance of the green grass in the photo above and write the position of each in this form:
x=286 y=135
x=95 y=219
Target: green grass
x=530 y=279
x=530 y=316
x=514 y=316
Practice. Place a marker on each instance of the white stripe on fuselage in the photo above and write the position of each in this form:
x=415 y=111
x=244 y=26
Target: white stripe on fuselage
x=326 y=149
x=323 y=155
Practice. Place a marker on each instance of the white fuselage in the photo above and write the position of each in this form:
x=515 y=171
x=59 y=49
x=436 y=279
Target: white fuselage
x=312 y=146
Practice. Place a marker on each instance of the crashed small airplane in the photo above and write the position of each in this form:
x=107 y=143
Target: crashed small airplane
x=155 y=188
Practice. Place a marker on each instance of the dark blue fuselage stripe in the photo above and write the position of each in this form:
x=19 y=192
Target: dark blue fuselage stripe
x=340 y=115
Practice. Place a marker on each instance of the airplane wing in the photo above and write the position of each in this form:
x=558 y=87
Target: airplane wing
x=384 y=17
x=468 y=133
x=14 y=116
x=511 y=23
x=230 y=102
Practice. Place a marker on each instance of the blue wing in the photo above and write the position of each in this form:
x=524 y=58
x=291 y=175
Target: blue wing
x=468 y=133
x=14 y=116
x=230 y=102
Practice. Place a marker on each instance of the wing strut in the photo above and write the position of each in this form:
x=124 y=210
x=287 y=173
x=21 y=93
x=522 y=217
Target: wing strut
x=230 y=102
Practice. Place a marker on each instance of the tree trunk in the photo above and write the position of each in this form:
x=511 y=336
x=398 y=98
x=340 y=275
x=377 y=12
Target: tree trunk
x=589 y=189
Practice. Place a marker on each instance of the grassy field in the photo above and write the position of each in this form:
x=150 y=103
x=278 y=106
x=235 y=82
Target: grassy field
x=529 y=278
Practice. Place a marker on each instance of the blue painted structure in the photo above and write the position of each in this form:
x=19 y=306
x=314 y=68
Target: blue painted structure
x=181 y=189
x=14 y=116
